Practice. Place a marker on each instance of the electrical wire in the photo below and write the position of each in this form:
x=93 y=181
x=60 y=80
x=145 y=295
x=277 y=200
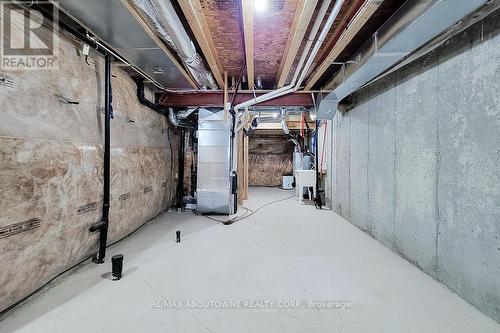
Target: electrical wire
x=229 y=221
x=249 y=212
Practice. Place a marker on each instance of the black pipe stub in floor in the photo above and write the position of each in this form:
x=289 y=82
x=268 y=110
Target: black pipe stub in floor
x=178 y=236
x=117 y=266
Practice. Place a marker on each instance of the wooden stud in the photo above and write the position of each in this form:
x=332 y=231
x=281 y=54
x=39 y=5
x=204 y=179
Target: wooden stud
x=130 y=7
x=301 y=20
x=245 y=167
x=361 y=17
x=226 y=110
x=193 y=12
x=247 y=12
x=241 y=160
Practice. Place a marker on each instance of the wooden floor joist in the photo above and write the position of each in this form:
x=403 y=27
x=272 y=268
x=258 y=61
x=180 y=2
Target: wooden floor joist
x=247 y=12
x=194 y=15
x=361 y=17
x=301 y=20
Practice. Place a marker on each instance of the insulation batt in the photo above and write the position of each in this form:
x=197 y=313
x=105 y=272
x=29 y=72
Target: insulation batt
x=270 y=157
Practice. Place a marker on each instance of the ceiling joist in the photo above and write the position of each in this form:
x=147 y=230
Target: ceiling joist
x=301 y=19
x=353 y=27
x=193 y=12
x=247 y=12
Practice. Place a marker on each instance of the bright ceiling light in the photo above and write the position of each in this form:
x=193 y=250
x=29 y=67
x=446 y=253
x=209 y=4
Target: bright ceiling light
x=260 y=5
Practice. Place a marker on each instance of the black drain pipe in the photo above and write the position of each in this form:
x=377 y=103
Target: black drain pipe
x=102 y=226
x=180 y=183
x=318 y=201
x=142 y=99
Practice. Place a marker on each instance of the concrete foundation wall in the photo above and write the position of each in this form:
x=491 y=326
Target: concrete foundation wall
x=51 y=166
x=416 y=164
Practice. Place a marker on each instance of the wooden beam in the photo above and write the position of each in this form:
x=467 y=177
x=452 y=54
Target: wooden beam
x=293 y=125
x=346 y=35
x=131 y=8
x=247 y=13
x=194 y=15
x=301 y=20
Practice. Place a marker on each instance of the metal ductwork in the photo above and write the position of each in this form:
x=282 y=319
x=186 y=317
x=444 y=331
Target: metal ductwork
x=290 y=136
x=264 y=119
x=162 y=17
x=177 y=122
x=215 y=182
x=416 y=23
x=284 y=125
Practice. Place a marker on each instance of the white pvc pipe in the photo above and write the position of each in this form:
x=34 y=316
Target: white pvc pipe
x=294 y=86
x=321 y=39
x=289 y=87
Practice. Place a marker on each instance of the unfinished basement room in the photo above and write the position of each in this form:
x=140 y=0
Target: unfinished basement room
x=250 y=166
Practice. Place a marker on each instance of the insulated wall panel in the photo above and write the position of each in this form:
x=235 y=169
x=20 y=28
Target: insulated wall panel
x=270 y=157
x=51 y=167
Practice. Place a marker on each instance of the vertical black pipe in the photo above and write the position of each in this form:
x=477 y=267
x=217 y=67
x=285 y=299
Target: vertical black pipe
x=102 y=226
x=180 y=183
x=318 y=178
x=107 y=140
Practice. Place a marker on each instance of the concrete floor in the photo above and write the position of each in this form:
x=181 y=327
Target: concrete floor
x=287 y=251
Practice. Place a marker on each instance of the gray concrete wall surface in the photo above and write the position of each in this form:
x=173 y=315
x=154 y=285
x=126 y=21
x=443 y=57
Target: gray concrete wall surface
x=416 y=164
x=51 y=166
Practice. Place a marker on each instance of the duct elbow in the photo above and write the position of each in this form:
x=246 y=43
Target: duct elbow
x=176 y=122
x=172 y=118
x=290 y=136
x=284 y=125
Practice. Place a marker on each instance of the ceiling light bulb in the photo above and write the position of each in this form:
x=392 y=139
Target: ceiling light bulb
x=260 y=5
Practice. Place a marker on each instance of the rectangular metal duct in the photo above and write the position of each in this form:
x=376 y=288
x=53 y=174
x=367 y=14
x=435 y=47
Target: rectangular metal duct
x=214 y=158
x=416 y=23
x=112 y=23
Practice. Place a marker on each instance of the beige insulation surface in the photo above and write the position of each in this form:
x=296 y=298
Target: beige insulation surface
x=51 y=166
x=270 y=157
